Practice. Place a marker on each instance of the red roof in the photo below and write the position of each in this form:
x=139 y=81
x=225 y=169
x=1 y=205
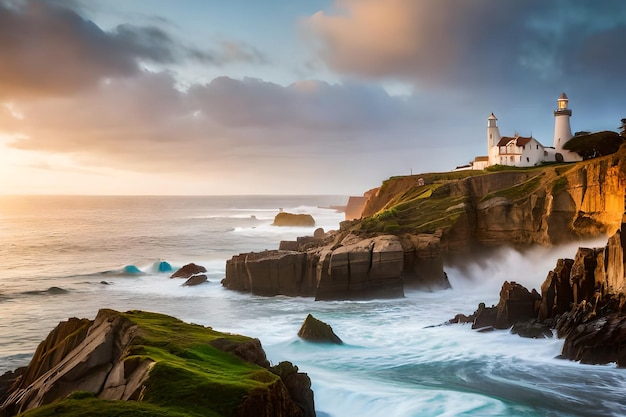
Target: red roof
x=518 y=140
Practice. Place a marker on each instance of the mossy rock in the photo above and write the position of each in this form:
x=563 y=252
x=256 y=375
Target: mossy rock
x=314 y=330
x=190 y=375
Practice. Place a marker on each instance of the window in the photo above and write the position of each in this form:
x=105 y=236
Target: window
x=527 y=159
x=537 y=146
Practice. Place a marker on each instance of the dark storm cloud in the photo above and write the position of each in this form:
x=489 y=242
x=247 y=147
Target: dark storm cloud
x=48 y=48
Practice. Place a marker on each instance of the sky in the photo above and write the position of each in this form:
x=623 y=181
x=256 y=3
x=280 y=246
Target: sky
x=212 y=97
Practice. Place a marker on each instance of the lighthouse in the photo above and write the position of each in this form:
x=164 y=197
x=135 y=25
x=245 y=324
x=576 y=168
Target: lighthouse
x=563 y=131
x=493 y=138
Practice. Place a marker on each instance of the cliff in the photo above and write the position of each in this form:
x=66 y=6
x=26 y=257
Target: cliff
x=140 y=363
x=472 y=209
x=411 y=226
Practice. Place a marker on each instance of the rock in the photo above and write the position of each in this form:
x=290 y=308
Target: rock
x=271 y=273
x=8 y=381
x=290 y=245
x=188 y=271
x=293 y=220
x=516 y=304
x=423 y=262
x=319 y=233
x=353 y=269
x=155 y=360
x=485 y=317
x=361 y=269
x=556 y=291
x=250 y=351
x=298 y=385
x=598 y=341
x=532 y=329
x=314 y=330
x=195 y=280
x=583 y=275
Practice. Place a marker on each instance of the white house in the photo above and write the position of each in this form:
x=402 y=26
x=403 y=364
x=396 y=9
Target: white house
x=523 y=151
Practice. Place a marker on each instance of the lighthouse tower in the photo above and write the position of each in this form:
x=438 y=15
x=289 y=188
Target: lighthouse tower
x=493 y=137
x=563 y=131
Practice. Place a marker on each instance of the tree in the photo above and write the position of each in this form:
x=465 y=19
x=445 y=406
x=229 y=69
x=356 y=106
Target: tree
x=622 y=128
x=595 y=144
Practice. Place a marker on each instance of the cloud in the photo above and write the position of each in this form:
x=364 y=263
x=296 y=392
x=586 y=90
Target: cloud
x=232 y=127
x=47 y=48
x=435 y=43
x=148 y=111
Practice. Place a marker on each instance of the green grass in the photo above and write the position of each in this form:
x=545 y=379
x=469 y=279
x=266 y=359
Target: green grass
x=521 y=190
x=190 y=377
x=92 y=407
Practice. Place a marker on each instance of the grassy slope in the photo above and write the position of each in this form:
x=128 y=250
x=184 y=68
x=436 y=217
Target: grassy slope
x=190 y=377
x=414 y=208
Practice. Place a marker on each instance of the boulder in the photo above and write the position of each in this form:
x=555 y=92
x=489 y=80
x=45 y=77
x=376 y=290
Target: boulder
x=314 y=330
x=532 y=329
x=293 y=220
x=195 y=280
x=319 y=233
x=516 y=304
x=188 y=271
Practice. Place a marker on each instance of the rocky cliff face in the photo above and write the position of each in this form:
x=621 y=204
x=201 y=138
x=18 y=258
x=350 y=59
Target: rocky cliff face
x=350 y=267
x=147 y=357
x=544 y=205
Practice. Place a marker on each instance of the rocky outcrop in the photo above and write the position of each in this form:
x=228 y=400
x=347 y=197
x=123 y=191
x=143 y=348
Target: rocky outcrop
x=271 y=273
x=598 y=341
x=293 y=220
x=188 y=271
x=516 y=304
x=423 y=262
x=361 y=268
x=146 y=357
x=314 y=330
x=583 y=298
x=353 y=268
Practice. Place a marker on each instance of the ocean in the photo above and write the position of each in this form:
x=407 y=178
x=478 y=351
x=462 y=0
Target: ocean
x=67 y=257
